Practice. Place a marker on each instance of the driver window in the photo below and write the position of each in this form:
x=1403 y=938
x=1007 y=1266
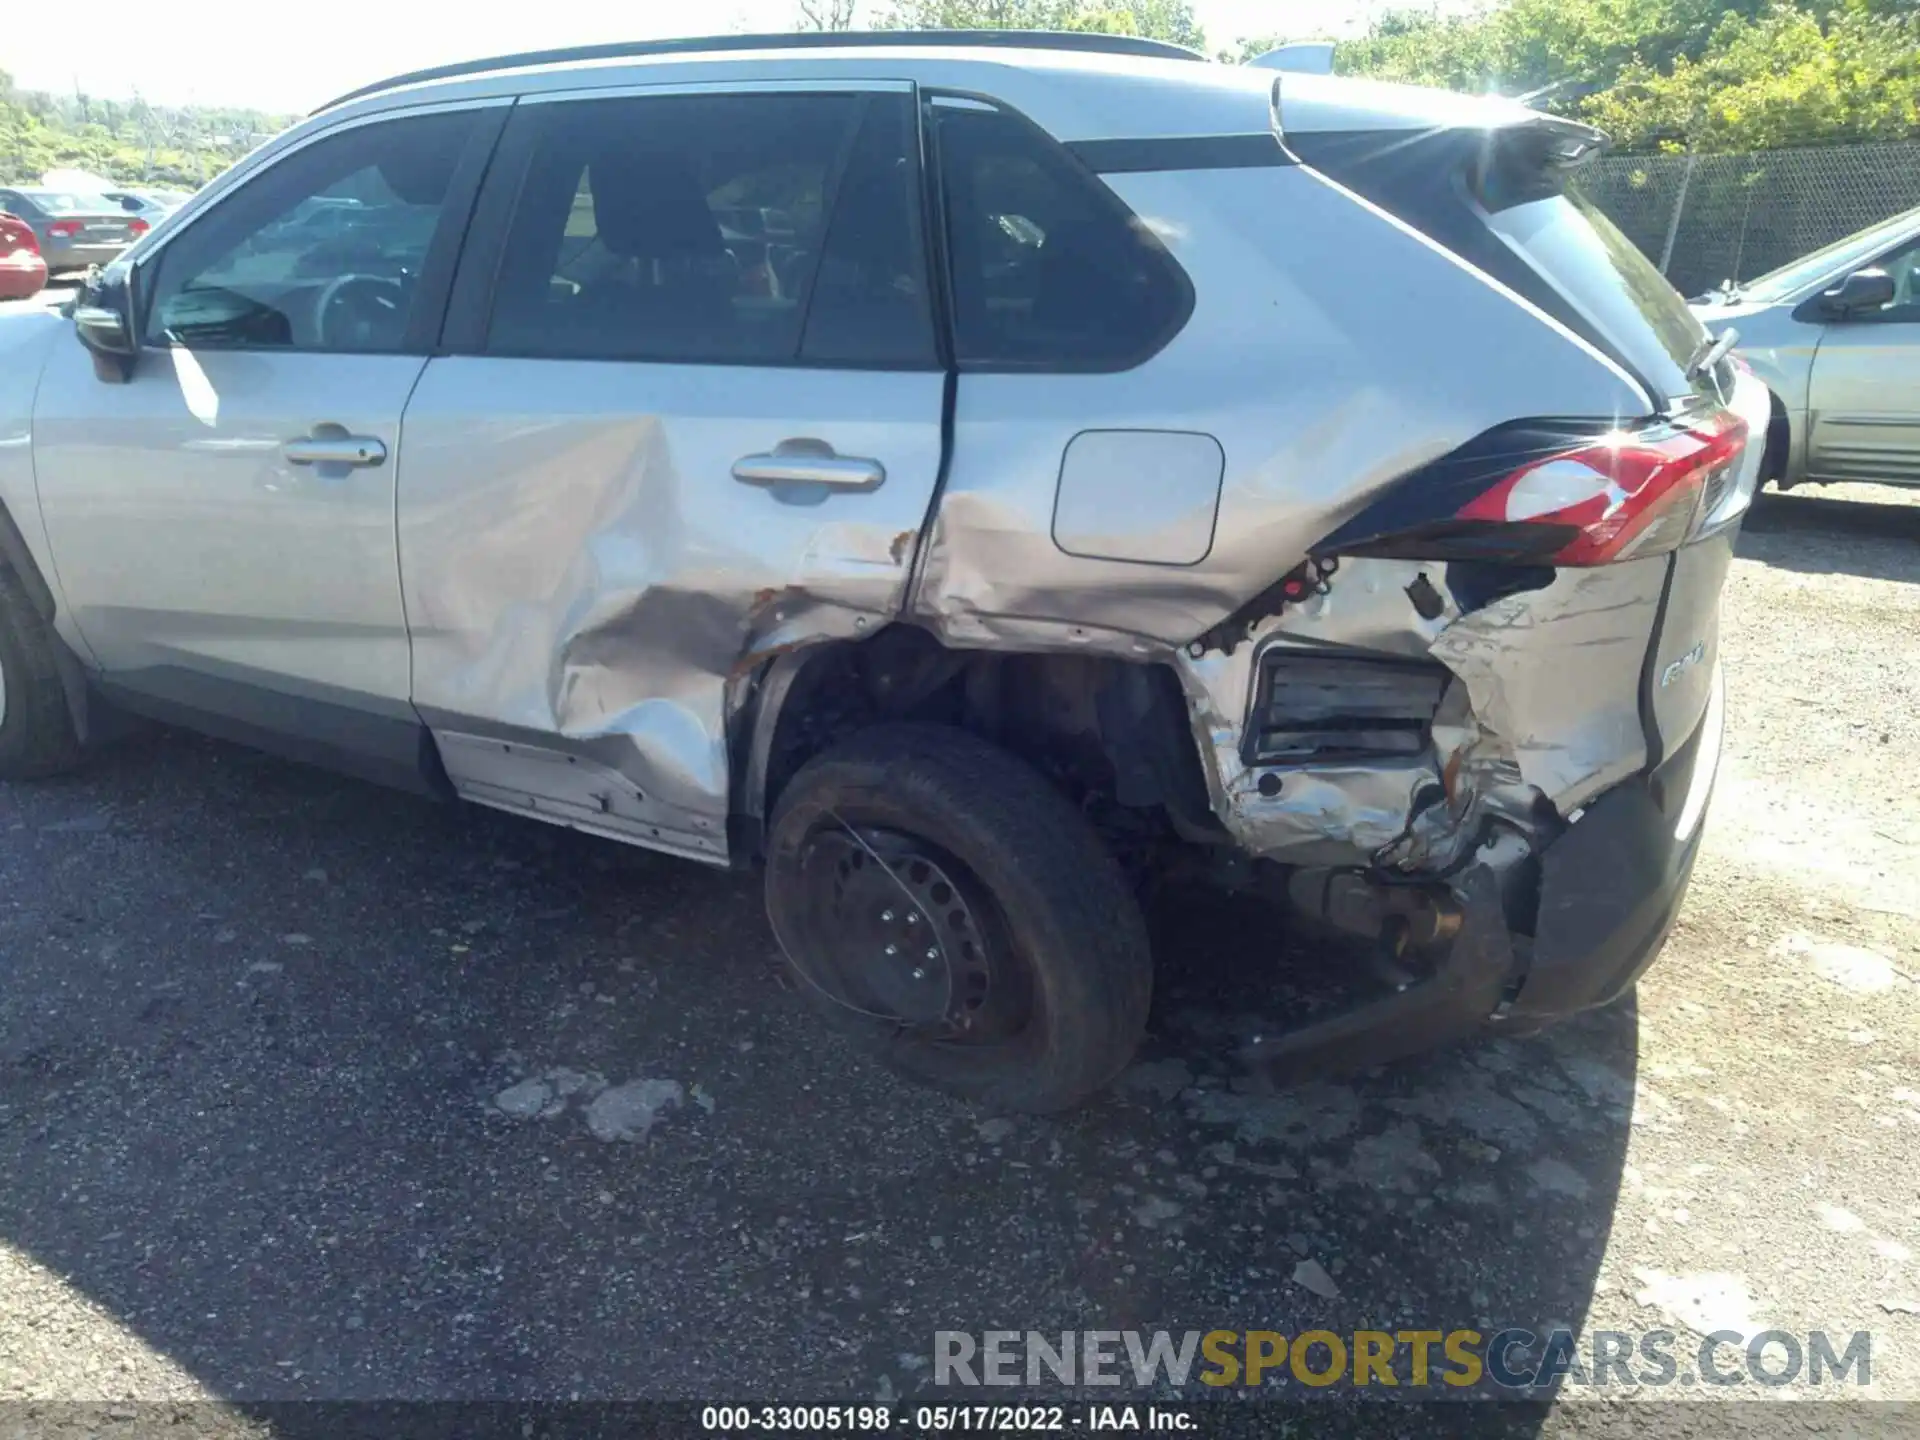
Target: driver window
x=322 y=251
x=1904 y=268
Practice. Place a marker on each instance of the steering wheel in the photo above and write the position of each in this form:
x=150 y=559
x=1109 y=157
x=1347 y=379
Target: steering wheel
x=360 y=312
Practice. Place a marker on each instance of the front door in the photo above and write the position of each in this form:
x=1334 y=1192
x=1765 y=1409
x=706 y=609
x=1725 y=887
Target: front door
x=222 y=524
x=693 y=419
x=1864 y=396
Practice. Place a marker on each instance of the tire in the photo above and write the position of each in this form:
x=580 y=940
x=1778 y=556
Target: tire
x=1060 y=908
x=37 y=737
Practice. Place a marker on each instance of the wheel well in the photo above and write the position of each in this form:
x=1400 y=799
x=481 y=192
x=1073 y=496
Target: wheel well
x=15 y=555
x=1110 y=734
x=1773 y=460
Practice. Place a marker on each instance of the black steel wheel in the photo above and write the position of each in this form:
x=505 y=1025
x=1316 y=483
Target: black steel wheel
x=943 y=903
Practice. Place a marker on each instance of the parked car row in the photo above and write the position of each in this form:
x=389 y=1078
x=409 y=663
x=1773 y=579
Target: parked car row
x=47 y=231
x=23 y=270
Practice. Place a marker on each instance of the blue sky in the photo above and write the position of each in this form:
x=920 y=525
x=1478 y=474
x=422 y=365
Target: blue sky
x=293 y=57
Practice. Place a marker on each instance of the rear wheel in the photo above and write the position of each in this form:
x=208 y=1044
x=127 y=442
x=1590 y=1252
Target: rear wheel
x=950 y=909
x=37 y=737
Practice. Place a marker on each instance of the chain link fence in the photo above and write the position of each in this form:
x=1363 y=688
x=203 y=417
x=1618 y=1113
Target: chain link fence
x=1708 y=218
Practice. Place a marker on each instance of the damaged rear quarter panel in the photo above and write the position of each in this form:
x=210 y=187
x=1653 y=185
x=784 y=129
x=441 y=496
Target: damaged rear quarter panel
x=1555 y=675
x=1546 y=703
x=579 y=564
x=1320 y=394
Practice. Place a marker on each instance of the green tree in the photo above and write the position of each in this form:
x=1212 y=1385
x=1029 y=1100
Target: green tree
x=128 y=141
x=1157 y=19
x=1785 y=78
x=1745 y=74
x=827 y=14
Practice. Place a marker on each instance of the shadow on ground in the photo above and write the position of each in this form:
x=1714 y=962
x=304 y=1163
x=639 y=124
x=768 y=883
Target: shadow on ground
x=329 y=1093
x=1819 y=533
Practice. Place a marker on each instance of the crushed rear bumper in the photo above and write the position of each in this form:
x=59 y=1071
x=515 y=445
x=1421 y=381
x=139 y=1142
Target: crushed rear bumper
x=1609 y=889
x=1611 y=886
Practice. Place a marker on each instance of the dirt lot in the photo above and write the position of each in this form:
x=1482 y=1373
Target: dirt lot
x=304 y=1093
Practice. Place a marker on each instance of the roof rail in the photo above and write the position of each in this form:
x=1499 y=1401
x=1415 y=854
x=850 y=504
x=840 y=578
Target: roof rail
x=806 y=40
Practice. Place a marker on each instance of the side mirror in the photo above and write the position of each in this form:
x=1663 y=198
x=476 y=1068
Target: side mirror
x=1861 y=291
x=103 y=319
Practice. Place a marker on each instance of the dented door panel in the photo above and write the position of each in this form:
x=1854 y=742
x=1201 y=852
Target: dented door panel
x=582 y=570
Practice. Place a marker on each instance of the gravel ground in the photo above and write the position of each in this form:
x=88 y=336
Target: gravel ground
x=308 y=1090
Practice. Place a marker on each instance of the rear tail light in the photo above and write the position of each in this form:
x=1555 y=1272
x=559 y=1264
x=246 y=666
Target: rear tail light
x=1599 y=499
x=64 y=229
x=137 y=227
x=18 y=235
x=1622 y=496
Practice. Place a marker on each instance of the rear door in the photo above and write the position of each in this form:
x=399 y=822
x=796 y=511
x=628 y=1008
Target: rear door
x=223 y=523
x=1864 y=399
x=691 y=416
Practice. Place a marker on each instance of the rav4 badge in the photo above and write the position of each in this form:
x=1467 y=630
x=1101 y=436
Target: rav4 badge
x=1685 y=663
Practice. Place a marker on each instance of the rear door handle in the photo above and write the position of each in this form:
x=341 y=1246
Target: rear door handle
x=332 y=445
x=803 y=472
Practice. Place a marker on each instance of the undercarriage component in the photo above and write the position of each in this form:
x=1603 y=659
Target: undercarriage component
x=1449 y=1002
x=1406 y=923
x=1414 y=917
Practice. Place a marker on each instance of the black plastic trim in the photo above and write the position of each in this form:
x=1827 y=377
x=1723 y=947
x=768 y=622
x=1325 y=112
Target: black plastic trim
x=1181 y=152
x=805 y=40
x=336 y=735
x=1610 y=888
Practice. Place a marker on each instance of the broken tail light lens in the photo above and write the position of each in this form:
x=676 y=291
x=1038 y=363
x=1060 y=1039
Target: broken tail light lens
x=1624 y=495
x=1525 y=495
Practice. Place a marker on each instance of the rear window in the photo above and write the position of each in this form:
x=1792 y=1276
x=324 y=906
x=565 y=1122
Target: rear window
x=1622 y=294
x=63 y=202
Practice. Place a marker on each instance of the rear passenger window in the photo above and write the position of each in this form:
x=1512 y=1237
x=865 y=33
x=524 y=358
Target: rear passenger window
x=1050 y=270
x=757 y=229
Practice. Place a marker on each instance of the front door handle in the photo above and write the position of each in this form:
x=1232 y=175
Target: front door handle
x=332 y=445
x=803 y=472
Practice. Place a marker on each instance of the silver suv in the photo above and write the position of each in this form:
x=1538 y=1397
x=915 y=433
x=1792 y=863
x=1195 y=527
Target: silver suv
x=963 y=476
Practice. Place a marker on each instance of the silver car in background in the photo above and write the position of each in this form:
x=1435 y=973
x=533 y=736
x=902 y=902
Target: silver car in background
x=1836 y=336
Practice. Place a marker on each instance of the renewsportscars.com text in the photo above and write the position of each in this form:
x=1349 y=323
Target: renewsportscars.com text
x=1513 y=1359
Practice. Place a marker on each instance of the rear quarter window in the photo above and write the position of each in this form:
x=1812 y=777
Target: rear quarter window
x=1050 y=271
